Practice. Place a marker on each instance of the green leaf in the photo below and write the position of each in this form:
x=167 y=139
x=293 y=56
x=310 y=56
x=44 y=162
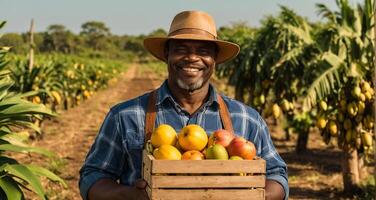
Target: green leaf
x=322 y=86
x=25 y=174
x=332 y=59
x=11 y=188
x=40 y=171
x=22 y=149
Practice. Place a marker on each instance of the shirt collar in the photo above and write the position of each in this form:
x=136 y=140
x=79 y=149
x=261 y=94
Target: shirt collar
x=165 y=93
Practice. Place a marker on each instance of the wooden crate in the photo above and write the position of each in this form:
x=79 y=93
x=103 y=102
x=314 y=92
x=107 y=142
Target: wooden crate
x=204 y=179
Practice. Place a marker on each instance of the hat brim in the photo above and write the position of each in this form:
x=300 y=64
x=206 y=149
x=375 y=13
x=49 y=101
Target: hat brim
x=226 y=50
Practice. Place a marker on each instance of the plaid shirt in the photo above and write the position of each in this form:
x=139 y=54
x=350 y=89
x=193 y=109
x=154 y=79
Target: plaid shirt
x=117 y=150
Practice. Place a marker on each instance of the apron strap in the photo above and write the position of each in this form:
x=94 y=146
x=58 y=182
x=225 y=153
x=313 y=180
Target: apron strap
x=151 y=114
x=225 y=115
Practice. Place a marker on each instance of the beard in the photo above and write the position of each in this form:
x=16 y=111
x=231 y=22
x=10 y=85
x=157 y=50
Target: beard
x=192 y=86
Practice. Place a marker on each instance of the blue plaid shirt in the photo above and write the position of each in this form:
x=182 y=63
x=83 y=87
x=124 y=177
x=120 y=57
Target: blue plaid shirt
x=117 y=150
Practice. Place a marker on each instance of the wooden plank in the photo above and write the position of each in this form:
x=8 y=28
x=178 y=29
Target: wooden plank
x=208 y=166
x=149 y=191
x=146 y=171
x=210 y=194
x=208 y=181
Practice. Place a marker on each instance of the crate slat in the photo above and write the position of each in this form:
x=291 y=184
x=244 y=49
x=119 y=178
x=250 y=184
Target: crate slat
x=206 y=194
x=207 y=181
x=208 y=166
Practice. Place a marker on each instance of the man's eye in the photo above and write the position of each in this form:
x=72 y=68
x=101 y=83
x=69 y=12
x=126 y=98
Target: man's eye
x=180 y=50
x=204 y=52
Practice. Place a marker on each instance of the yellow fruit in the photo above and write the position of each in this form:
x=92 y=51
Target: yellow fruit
x=368 y=95
x=333 y=128
x=321 y=122
x=356 y=91
x=367 y=139
x=86 y=94
x=323 y=105
x=285 y=105
x=167 y=152
x=164 y=134
x=362 y=97
x=368 y=122
x=292 y=106
x=262 y=99
x=193 y=137
x=352 y=109
x=361 y=106
x=276 y=111
x=365 y=86
x=36 y=99
x=56 y=97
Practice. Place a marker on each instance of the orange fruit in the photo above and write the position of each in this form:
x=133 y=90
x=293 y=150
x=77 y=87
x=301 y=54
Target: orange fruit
x=192 y=155
x=167 y=152
x=164 y=134
x=192 y=137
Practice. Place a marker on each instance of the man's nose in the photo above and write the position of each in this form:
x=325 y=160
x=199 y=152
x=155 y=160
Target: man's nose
x=192 y=56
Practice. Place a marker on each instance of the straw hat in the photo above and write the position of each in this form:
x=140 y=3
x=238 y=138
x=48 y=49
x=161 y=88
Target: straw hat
x=192 y=25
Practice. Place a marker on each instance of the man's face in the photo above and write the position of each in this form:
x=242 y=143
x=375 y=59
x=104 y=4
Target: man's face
x=190 y=63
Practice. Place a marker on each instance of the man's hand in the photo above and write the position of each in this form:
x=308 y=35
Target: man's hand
x=274 y=190
x=108 y=189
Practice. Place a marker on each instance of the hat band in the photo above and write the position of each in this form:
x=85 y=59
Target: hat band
x=192 y=31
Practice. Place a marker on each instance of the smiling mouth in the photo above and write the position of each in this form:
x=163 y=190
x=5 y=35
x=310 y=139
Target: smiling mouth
x=190 y=69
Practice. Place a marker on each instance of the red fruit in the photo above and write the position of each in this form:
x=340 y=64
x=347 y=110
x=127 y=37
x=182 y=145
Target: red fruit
x=222 y=137
x=241 y=147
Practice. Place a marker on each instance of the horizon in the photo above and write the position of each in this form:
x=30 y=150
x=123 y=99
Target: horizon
x=119 y=16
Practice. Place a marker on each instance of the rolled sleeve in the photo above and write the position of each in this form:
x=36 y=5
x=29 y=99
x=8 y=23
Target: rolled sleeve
x=281 y=180
x=106 y=157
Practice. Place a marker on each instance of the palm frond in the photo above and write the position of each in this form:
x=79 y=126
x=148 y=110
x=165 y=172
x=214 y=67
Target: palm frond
x=324 y=11
x=326 y=82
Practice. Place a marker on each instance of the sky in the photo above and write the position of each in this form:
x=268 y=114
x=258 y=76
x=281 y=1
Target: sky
x=143 y=16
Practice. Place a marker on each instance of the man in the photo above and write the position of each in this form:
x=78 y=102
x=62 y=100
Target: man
x=112 y=169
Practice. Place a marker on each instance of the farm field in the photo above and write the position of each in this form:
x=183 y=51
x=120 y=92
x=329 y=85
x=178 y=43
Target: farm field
x=315 y=174
x=313 y=82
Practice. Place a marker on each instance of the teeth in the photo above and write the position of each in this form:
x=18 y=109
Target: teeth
x=191 y=69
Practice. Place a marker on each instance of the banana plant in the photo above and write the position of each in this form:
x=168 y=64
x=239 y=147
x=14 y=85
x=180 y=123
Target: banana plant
x=16 y=113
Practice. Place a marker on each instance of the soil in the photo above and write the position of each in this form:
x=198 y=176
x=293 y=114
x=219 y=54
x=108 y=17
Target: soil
x=315 y=174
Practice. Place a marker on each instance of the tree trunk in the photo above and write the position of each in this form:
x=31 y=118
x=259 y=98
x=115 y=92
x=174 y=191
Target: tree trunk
x=350 y=170
x=362 y=168
x=301 y=145
x=31 y=50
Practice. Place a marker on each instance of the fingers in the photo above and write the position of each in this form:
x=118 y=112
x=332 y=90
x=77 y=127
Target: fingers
x=140 y=184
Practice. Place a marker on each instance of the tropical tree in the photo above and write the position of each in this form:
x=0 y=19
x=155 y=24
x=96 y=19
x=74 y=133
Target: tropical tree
x=96 y=34
x=58 y=38
x=344 y=86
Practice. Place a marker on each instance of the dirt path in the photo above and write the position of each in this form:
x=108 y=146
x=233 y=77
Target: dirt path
x=71 y=134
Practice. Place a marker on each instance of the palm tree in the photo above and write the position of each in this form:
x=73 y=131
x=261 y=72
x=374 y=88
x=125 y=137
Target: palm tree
x=347 y=43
